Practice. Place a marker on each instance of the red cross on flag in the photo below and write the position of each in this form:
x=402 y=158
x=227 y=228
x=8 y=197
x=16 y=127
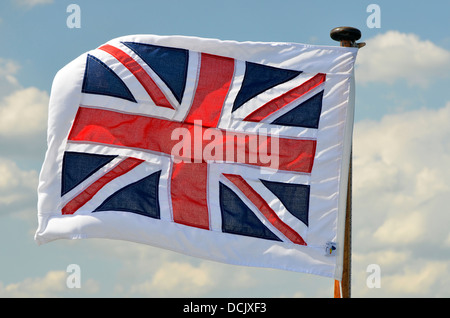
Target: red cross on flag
x=229 y=151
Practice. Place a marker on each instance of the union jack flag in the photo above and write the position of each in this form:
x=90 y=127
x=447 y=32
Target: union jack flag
x=163 y=134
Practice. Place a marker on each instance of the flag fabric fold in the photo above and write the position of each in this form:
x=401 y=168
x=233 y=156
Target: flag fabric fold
x=236 y=152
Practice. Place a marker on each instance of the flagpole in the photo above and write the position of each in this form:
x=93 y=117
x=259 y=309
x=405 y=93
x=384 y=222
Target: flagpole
x=347 y=36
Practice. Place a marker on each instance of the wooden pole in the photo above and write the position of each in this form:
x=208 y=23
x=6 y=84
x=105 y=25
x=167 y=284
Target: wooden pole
x=347 y=266
x=347 y=36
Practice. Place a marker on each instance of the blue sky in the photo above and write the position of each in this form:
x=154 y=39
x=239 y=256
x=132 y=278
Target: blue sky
x=401 y=148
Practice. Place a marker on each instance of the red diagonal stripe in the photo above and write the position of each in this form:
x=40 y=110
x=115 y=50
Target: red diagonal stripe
x=265 y=209
x=283 y=100
x=121 y=168
x=146 y=81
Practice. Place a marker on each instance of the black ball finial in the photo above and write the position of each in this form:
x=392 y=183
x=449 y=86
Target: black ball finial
x=345 y=34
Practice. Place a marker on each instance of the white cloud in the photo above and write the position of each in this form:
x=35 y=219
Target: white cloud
x=17 y=189
x=23 y=117
x=8 y=81
x=53 y=284
x=170 y=274
x=396 y=56
x=146 y=271
x=401 y=275
x=400 y=201
x=32 y=3
x=181 y=278
x=420 y=279
x=8 y=68
x=23 y=112
x=389 y=257
x=407 y=227
x=13 y=178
